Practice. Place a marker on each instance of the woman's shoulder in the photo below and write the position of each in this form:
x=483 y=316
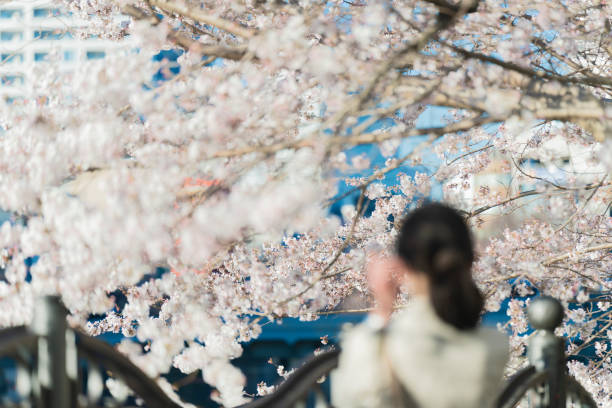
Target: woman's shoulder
x=496 y=343
x=491 y=335
x=419 y=323
x=371 y=327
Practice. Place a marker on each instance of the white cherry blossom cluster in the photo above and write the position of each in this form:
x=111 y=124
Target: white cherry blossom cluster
x=223 y=174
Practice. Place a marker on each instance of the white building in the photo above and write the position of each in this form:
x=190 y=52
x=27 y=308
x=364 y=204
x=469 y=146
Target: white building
x=29 y=32
x=538 y=162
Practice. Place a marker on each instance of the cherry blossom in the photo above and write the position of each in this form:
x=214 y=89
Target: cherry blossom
x=224 y=173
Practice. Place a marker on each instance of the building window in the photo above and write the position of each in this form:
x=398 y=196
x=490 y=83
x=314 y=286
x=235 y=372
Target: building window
x=10 y=58
x=69 y=55
x=40 y=56
x=13 y=100
x=11 y=35
x=92 y=55
x=8 y=14
x=529 y=162
x=51 y=35
x=11 y=80
x=46 y=12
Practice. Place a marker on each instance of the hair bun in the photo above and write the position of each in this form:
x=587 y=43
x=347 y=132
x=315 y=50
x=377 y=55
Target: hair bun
x=447 y=264
x=435 y=240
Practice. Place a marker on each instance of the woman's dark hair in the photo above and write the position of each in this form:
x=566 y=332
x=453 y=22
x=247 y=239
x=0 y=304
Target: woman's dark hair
x=436 y=241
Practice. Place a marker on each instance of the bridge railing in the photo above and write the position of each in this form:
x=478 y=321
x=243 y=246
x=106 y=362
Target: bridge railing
x=58 y=367
x=545 y=383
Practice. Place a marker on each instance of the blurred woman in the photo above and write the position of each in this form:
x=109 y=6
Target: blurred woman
x=432 y=354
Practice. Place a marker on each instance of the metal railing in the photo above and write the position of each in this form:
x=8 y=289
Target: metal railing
x=545 y=383
x=58 y=367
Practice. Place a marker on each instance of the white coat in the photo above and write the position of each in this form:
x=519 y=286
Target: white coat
x=437 y=365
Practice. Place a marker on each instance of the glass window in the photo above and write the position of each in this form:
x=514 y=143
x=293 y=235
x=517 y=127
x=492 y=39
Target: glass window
x=11 y=35
x=46 y=12
x=40 y=56
x=91 y=55
x=8 y=14
x=11 y=80
x=14 y=99
x=9 y=58
x=51 y=35
x=69 y=55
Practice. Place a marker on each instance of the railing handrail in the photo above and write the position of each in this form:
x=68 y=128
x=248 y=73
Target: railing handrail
x=297 y=385
x=547 y=366
x=104 y=354
x=48 y=339
x=545 y=352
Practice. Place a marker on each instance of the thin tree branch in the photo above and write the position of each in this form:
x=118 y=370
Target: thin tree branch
x=500 y=203
x=345 y=244
x=364 y=138
x=590 y=80
x=566 y=223
x=593 y=337
x=203 y=18
x=378 y=174
x=599 y=282
x=527 y=194
x=536 y=177
x=469 y=154
x=442 y=23
x=568 y=255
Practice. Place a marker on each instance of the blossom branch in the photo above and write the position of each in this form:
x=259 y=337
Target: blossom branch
x=200 y=17
x=590 y=80
x=359 y=139
x=569 y=255
x=347 y=241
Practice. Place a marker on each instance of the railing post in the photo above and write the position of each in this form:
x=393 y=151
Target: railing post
x=545 y=350
x=49 y=323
